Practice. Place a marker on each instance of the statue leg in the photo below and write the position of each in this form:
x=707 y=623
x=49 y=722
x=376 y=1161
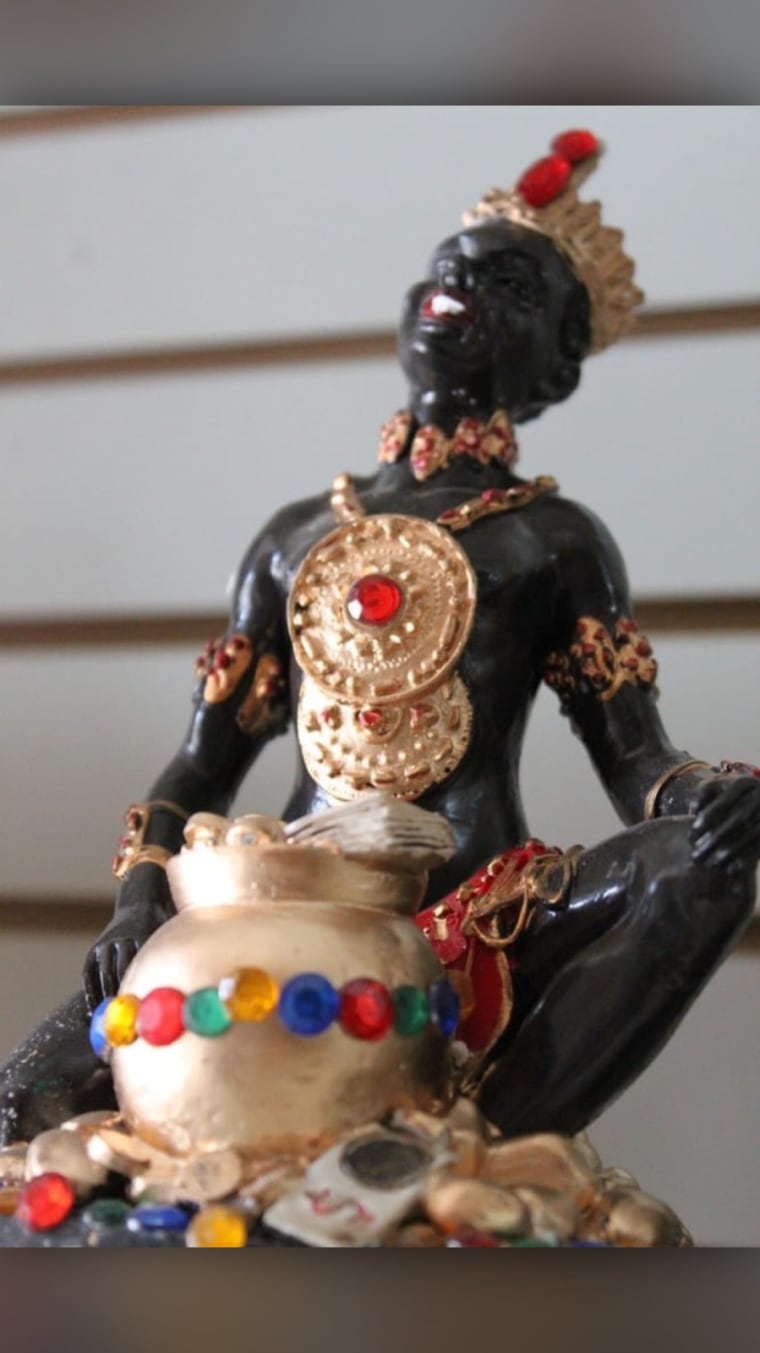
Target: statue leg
x=53 y=1076
x=601 y=985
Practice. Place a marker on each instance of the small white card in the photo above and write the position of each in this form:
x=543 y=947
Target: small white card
x=355 y=1192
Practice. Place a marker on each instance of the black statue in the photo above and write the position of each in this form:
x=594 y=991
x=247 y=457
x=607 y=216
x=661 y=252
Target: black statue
x=502 y=322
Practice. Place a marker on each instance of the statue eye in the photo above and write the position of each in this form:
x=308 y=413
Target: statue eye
x=519 y=284
x=521 y=288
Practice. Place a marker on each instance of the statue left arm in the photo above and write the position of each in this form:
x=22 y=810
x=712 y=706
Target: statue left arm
x=604 y=672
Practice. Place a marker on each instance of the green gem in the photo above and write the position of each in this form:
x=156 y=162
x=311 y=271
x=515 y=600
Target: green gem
x=106 y=1212
x=206 y=1014
x=410 y=1007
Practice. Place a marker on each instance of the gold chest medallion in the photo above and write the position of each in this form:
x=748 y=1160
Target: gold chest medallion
x=379 y=614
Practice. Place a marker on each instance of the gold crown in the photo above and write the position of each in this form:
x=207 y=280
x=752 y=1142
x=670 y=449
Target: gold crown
x=545 y=199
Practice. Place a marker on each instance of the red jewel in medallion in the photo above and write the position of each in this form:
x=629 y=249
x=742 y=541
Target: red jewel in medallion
x=544 y=180
x=494 y=495
x=366 y=1009
x=576 y=145
x=374 y=599
x=370 y=718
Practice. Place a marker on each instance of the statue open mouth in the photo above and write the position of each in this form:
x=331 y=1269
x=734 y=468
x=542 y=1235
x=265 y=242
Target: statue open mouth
x=448 y=307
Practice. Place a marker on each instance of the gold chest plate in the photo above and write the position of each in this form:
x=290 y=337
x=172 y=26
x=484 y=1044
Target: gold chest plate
x=380 y=704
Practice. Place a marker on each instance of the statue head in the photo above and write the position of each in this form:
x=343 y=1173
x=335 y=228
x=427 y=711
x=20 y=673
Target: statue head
x=501 y=317
x=515 y=301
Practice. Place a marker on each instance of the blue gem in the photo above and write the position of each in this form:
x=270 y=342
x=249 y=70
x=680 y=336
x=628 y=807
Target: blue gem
x=98 y=1041
x=308 y=1004
x=154 y=1217
x=444 y=1006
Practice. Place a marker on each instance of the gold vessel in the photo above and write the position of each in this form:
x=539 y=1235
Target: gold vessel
x=249 y=899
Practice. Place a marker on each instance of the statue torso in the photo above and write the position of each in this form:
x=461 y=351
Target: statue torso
x=511 y=556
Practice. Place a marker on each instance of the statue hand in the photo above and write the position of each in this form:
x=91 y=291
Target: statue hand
x=726 y=828
x=143 y=905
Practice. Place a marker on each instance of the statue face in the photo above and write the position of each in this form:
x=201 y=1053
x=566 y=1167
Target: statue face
x=488 y=317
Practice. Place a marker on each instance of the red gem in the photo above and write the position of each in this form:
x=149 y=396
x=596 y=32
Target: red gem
x=370 y=718
x=160 y=1017
x=374 y=599
x=544 y=180
x=366 y=1009
x=45 y=1202
x=494 y=495
x=576 y=145
x=223 y=660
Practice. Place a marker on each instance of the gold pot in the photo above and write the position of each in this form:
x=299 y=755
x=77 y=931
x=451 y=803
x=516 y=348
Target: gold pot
x=256 y=1087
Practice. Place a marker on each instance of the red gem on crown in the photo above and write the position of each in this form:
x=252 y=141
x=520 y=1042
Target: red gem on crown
x=576 y=145
x=545 y=180
x=549 y=177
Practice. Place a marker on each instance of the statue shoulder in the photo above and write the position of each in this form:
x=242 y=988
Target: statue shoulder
x=583 y=548
x=264 y=566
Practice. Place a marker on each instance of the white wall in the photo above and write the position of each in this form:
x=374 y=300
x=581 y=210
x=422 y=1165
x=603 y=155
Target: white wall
x=141 y=494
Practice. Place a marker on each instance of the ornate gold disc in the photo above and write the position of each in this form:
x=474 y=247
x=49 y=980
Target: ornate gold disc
x=404 y=748
x=380 y=663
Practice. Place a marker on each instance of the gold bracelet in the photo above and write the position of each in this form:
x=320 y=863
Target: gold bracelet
x=131 y=850
x=650 y=802
x=168 y=805
x=149 y=855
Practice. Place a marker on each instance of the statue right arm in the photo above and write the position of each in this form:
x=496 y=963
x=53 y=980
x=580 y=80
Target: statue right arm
x=240 y=702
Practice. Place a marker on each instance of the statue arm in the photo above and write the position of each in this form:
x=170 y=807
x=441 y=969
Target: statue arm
x=605 y=674
x=240 y=702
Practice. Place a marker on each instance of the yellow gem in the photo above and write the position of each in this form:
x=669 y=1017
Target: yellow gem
x=119 y=1024
x=216 y=1228
x=253 y=996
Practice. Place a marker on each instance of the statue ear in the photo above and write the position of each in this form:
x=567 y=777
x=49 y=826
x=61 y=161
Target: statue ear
x=564 y=376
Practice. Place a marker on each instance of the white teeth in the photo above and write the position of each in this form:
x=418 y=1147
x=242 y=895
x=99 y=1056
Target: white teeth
x=441 y=304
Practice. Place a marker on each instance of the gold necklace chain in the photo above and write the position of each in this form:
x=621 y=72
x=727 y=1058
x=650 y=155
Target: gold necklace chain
x=347 y=505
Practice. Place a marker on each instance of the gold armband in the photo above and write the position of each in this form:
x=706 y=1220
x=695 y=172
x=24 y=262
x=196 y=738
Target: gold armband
x=651 y=800
x=131 y=849
x=598 y=662
x=222 y=666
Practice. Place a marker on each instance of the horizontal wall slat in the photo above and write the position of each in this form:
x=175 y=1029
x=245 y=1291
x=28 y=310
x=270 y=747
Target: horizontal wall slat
x=39 y=121
x=141 y=499
x=693 y=321
x=243 y=227
x=660 y=615
x=52 y=915
x=85 y=733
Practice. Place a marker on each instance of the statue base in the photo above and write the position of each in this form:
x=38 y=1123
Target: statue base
x=413 y=1180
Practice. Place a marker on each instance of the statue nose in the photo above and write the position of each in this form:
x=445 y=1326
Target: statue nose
x=452 y=274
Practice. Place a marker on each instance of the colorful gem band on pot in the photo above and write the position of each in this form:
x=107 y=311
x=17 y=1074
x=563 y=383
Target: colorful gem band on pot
x=307 y=1004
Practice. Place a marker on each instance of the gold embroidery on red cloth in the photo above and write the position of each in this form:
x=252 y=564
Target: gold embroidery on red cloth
x=600 y=663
